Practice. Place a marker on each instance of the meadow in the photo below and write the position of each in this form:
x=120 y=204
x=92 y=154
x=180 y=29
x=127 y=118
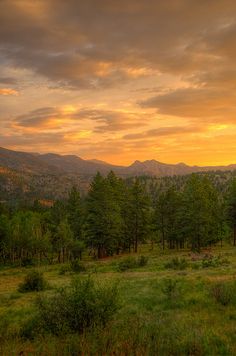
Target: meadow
x=172 y=303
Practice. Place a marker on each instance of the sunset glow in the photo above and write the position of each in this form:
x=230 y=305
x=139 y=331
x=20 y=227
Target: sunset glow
x=120 y=80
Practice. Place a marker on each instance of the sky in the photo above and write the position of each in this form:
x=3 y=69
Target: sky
x=120 y=80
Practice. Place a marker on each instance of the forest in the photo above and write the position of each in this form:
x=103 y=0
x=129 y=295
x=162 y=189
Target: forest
x=156 y=254
x=116 y=216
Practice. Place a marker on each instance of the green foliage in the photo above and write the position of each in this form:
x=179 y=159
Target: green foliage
x=77 y=266
x=104 y=222
x=131 y=262
x=138 y=214
x=201 y=212
x=27 y=261
x=177 y=263
x=213 y=261
x=82 y=306
x=223 y=292
x=64 y=269
x=231 y=207
x=171 y=288
x=34 y=281
x=142 y=261
x=127 y=263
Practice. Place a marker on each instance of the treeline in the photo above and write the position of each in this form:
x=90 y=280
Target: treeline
x=116 y=216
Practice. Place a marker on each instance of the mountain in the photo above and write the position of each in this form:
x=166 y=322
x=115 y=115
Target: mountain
x=51 y=163
x=76 y=165
x=29 y=176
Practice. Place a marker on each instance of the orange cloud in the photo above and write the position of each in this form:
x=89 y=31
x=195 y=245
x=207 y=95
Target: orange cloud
x=7 y=91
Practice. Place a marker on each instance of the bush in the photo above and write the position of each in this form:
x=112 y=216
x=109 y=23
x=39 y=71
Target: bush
x=84 y=305
x=177 y=263
x=142 y=261
x=27 y=261
x=64 y=269
x=132 y=262
x=34 y=281
x=171 y=289
x=223 y=293
x=211 y=261
x=77 y=266
x=127 y=263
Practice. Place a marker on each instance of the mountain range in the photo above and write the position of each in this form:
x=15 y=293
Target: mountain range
x=51 y=163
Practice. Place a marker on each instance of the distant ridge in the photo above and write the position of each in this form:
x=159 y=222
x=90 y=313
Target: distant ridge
x=51 y=163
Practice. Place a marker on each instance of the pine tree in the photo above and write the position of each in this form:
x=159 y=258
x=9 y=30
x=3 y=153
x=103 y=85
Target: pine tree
x=103 y=217
x=200 y=212
x=137 y=218
x=75 y=216
x=167 y=217
x=231 y=208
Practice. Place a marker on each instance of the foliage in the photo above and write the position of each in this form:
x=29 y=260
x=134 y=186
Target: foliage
x=131 y=262
x=77 y=266
x=177 y=263
x=171 y=288
x=214 y=261
x=223 y=293
x=82 y=306
x=34 y=281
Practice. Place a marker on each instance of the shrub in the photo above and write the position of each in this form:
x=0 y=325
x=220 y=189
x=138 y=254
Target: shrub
x=223 y=293
x=132 y=262
x=84 y=305
x=64 y=269
x=127 y=263
x=34 y=281
x=77 y=266
x=177 y=263
x=27 y=261
x=171 y=289
x=211 y=261
x=142 y=261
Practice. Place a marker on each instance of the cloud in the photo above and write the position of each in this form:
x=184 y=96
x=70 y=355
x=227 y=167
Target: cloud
x=174 y=58
x=103 y=120
x=196 y=103
x=102 y=43
x=7 y=80
x=165 y=131
x=8 y=91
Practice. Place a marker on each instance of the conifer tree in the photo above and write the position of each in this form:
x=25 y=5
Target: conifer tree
x=231 y=208
x=103 y=217
x=137 y=214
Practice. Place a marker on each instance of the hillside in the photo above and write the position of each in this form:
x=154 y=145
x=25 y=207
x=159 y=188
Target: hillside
x=29 y=176
x=54 y=163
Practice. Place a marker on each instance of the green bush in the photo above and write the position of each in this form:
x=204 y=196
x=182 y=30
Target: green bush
x=223 y=293
x=142 y=261
x=171 y=288
x=64 y=269
x=177 y=263
x=82 y=306
x=34 y=281
x=214 y=261
x=27 y=261
x=77 y=266
x=127 y=263
x=132 y=262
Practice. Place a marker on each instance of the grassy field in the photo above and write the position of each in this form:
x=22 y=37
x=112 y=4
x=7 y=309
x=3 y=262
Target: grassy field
x=166 y=307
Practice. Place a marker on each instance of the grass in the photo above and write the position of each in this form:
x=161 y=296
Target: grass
x=171 y=311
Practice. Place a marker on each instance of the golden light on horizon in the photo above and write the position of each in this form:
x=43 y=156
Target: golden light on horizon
x=120 y=82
